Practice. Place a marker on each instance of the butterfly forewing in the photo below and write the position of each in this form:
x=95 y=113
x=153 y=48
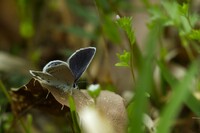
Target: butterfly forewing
x=79 y=61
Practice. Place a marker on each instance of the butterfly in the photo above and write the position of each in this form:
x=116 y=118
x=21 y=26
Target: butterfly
x=64 y=75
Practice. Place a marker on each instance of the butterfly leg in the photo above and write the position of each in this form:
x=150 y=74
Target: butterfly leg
x=26 y=88
x=34 y=82
x=62 y=107
x=47 y=94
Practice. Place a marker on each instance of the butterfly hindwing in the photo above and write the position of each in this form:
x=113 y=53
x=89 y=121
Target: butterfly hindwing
x=60 y=70
x=53 y=63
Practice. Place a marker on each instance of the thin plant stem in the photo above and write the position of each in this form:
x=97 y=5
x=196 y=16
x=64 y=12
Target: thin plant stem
x=76 y=127
x=189 y=52
x=23 y=126
x=3 y=88
x=131 y=64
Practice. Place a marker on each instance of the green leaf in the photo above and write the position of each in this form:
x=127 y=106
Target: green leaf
x=184 y=9
x=157 y=16
x=126 y=24
x=122 y=64
x=171 y=9
x=94 y=90
x=124 y=59
x=194 y=35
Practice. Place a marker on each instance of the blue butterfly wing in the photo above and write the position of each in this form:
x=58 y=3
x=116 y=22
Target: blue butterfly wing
x=79 y=61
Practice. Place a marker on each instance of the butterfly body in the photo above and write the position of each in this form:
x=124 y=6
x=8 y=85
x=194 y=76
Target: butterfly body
x=64 y=75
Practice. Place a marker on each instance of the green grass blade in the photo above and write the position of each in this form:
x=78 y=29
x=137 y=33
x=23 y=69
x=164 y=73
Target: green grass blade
x=137 y=109
x=3 y=89
x=191 y=101
x=74 y=115
x=180 y=92
x=144 y=84
x=193 y=104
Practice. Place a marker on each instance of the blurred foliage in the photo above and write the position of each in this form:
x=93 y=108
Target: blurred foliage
x=156 y=53
x=124 y=59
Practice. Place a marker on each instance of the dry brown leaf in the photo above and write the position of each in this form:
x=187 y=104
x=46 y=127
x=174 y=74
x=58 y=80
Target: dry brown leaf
x=33 y=95
x=108 y=103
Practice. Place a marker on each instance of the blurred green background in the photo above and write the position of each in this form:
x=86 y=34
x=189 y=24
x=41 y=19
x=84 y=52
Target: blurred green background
x=147 y=52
